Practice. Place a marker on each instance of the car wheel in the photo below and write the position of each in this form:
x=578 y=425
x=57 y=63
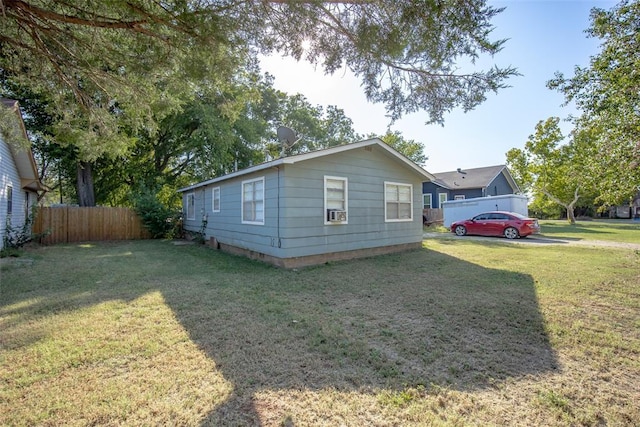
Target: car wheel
x=461 y=230
x=511 y=233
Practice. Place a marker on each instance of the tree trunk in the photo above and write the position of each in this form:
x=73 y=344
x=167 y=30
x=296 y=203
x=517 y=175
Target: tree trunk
x=84 y=185
x=570 y=214
x=571 y=217
x=570 y=208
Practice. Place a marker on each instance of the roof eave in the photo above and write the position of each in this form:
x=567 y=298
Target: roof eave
x=314 y=154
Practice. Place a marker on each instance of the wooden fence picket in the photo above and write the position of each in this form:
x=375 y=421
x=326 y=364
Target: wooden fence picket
x=68 y=224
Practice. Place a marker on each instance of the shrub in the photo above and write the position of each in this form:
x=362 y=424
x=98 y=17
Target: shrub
x=160 y=220
x=16 y=237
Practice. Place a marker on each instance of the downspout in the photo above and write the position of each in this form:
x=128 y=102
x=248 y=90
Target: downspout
x=278 y=208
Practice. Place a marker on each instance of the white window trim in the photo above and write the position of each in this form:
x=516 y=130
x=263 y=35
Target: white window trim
x=193 y=214
x=399 y=184
x=442 y=197
x=346 y=199
x=430 y=201
x=214 y=191
x=250 y=181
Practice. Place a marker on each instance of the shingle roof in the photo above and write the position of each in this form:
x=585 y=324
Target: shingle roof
x=319 y=153
x=469 y=178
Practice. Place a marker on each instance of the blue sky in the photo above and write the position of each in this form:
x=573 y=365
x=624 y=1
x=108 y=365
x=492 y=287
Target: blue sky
x=545 y=36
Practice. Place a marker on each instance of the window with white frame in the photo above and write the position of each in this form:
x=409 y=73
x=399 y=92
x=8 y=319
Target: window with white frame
x=398 y=201
x=190 y=205
x=9 y=200
x=459 y=197
x=253 y=201
x=335 y=199
x=426 y=201
x=215 y=199
x=442 y=197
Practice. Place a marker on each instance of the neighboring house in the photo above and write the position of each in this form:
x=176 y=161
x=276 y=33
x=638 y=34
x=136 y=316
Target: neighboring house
x=344 y=202
x=467 y=184
x=19 y=181
x=631 y=210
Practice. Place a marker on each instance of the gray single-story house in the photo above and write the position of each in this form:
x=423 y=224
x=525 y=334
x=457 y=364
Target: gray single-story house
x=344 y=202
x=468 y=184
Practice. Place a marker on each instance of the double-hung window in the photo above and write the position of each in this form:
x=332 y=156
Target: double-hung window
x=253 y=201
x=426 y=201
x=398 y=201
x=215 y=199
x=335 y=199
x=442 y=197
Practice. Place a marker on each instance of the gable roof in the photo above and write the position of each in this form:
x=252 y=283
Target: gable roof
x=474 y=178
x=22 y=155
x=392 y=153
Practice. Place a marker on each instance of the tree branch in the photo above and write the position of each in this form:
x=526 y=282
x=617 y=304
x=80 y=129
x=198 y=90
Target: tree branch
x=98 y=21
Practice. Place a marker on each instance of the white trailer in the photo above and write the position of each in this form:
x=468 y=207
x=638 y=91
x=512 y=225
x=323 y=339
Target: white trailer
x=456 y=210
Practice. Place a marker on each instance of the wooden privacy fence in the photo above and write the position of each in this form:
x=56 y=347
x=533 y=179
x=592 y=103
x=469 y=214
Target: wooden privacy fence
x=67 y=224
x=432 y=216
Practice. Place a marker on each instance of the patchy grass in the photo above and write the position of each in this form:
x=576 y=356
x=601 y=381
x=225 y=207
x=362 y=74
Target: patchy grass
x=458 y=333
x=607 y=230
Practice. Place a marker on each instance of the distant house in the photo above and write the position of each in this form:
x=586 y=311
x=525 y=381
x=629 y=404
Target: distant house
x=631 y=210
x=467 y=184
x=344 y=202
x=19 y=181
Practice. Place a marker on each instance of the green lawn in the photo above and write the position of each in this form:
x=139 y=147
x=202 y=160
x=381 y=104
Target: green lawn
x=607 y=230
x=459 y=333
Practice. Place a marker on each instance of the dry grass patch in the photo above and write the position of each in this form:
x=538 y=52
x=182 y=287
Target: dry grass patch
x=459 y=333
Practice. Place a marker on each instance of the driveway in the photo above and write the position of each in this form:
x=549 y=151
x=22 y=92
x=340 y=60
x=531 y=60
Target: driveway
x=537 y=240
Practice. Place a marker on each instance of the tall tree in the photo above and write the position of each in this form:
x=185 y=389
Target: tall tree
x=216 y=134
x=548 y=168
x=608 y=95
x=413 y=150
x=116 y=68
x=111 y=68
x=315 y=126
x=408 y=53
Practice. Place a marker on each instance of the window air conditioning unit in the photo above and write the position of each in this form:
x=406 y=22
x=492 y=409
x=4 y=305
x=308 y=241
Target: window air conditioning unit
x=337 y=216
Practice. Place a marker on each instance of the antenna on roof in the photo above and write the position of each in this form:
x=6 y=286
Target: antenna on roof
x=288 y=139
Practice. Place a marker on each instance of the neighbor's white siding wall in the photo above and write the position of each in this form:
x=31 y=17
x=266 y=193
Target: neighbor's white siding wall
x=9 y=178
x=457 y=210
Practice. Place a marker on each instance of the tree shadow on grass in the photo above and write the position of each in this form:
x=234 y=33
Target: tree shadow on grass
x=387 y=323
x=420 y=318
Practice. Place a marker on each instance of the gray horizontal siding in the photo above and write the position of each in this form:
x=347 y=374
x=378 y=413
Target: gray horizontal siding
x=303 y=231
x=499 y=186
x=298 y=227
x=226 y=226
